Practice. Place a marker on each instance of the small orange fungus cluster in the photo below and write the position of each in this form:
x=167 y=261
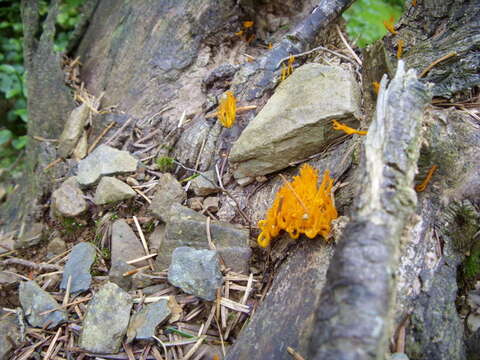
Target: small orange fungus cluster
x=300 y=207
x=421 y=187
x=288 y=70
x=347 y=129
x=246 y=33
x=400 y=45
x=376 y=87
x=227 y=108
x=389 y=25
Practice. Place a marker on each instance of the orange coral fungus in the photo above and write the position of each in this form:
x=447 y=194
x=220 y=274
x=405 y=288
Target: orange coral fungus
x=300 y=207
x=389 y=25
x=346 y=129
x=286 y=71
x=421 y=187
x=400 y=44
x=227 y=110
x=376 y=87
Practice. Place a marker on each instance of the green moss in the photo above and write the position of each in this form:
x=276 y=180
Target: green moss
x=165 y=163
x=471 y=265
x=463 y=224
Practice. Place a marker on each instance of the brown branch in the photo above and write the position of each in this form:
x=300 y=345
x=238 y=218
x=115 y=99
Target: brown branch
x=31 y=264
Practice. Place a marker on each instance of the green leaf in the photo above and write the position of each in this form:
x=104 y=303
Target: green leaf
x=22 y=113
x=5 y=136
x=20 y=142
x=7 y=69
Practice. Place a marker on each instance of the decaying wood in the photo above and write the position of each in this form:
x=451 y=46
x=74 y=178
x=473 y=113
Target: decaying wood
x=354 y=319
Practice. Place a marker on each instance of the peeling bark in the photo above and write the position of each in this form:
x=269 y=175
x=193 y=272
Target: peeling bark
x=354 y=318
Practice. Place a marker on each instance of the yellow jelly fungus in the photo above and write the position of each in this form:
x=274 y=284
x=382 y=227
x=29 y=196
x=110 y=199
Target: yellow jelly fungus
x=227 y=109
x=376 y=87
x=421 y=187
x=288 y=70
x=400 y=44
x=248 y=24
x=389 y=25
x=347 y=129
x=300 y=207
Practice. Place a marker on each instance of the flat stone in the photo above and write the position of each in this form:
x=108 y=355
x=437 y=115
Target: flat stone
x=125 y=244
x=196 y=272
x=195 y=203
x=106 y=320
x=35 y=301
x=143 y=324
x=398 y=356
x=296 y=122
x=31 y=236
x=236 y=258
x=104 y=160
x=188 y=228
x=205 y=184
x=473 y=322
x=55 y=247
x=211 y=204
x=116 y=272
x=7 y=243
x=78 y=265
x=168 y=191
x=72 y=130
x=10 y=336
x=81 y=150
x=156 y=238
x=68 y=200
x=111 y=190
x=7 y=279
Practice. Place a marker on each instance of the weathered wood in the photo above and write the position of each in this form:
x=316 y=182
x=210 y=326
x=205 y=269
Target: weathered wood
x=354 y=318
x=433 y=29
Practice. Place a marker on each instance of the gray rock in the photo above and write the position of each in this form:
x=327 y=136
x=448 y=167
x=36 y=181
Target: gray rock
x=7 y=279
x=398 y=356
x=156 y=238
x=195 y=203
x=78 y=267
x=151 y=290
x=188 y=228
x=236 y=258
x=7 y=243
x=116 y=274
x=143 y=324
x=211 y=204
x=168 y=191
x=104 y=160
x=35 y=301
x=473 y=322
x=81 y=149
x=296 y=122
x=111 y=190
x=196 y=272
x=56 y=247
x=68 y=200
x=10 y=337
x=31 y=236
x=205 y=184
x=73 y=130
x=125 y=244
x=106 y=320
x=141 y=280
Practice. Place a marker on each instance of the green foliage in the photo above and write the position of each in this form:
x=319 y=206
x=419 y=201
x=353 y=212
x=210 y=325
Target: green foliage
x=471 y=266
x=164 y=163
x=365 y=19
x=13 y=94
